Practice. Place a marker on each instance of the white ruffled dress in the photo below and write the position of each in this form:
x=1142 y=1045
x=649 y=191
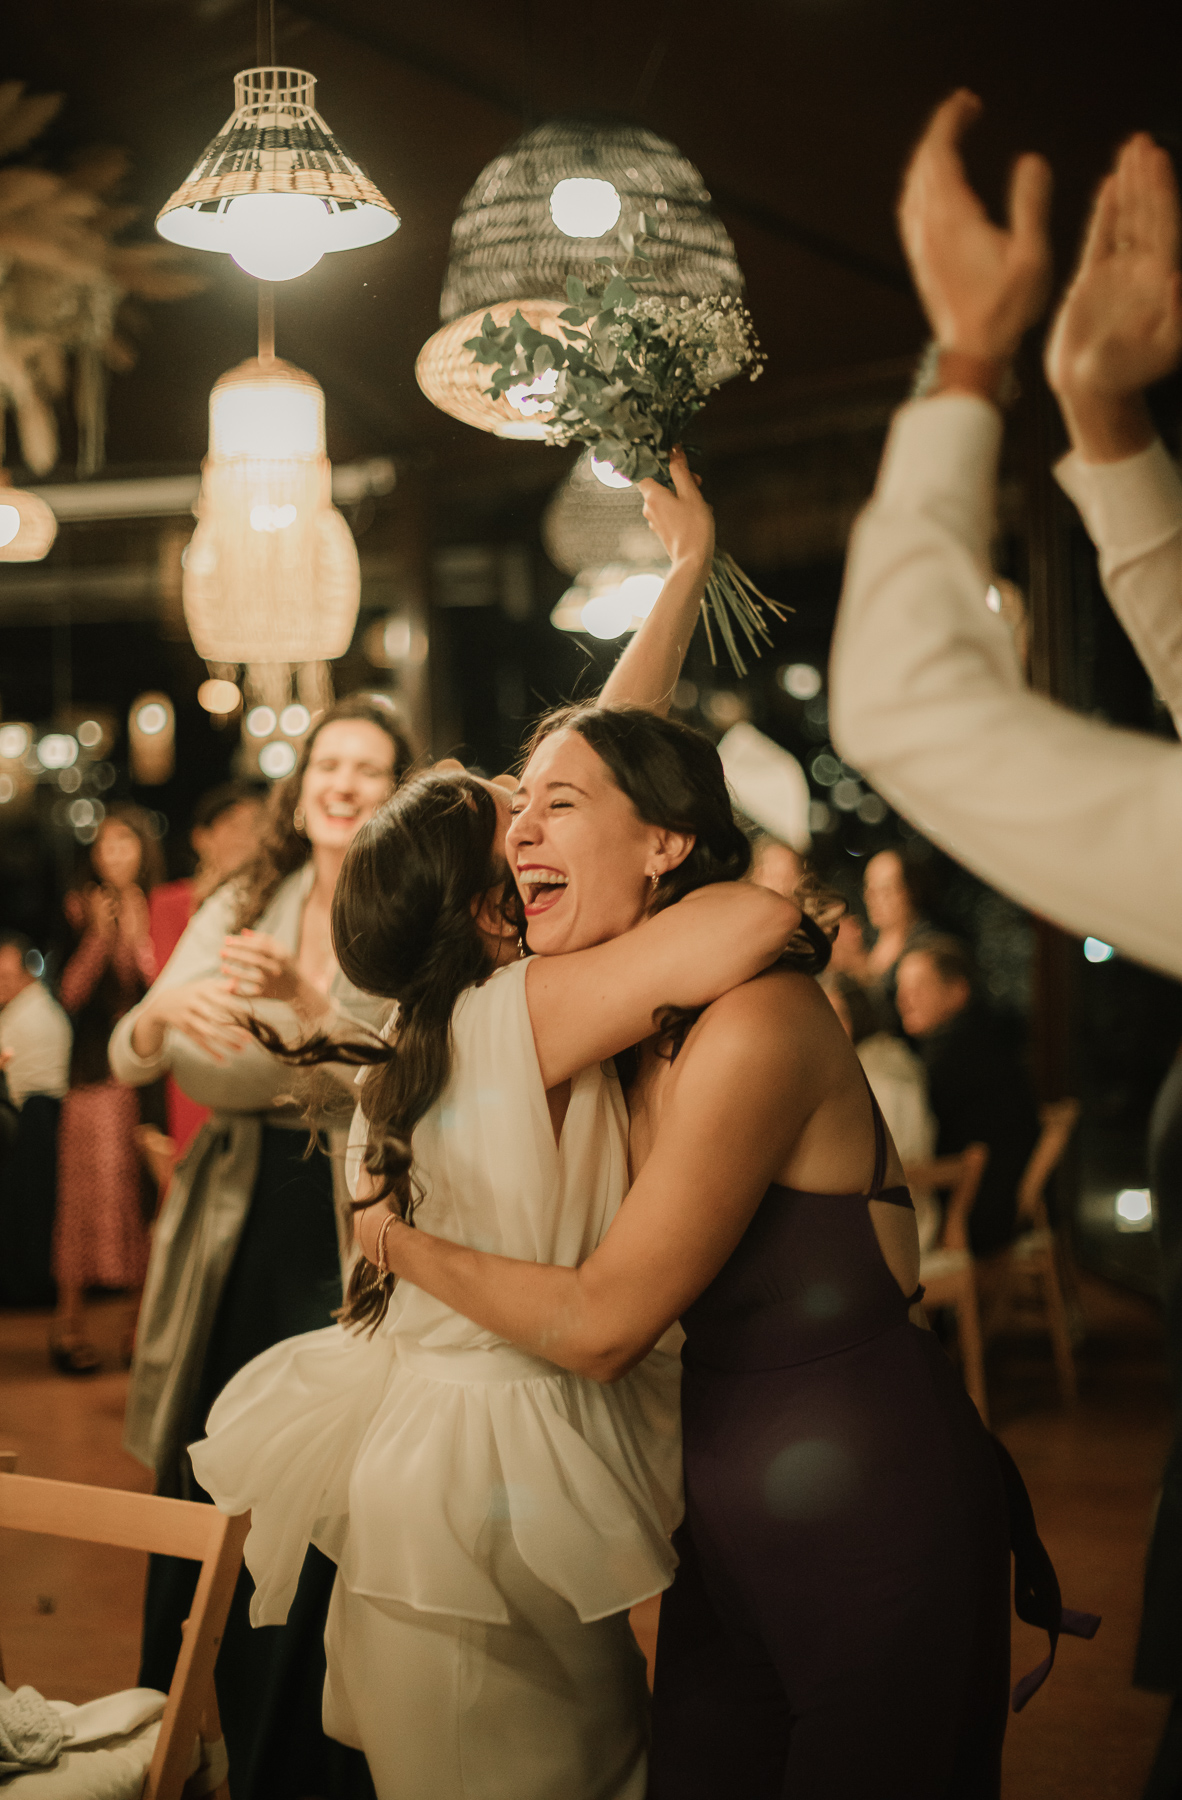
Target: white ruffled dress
x=396 y=1453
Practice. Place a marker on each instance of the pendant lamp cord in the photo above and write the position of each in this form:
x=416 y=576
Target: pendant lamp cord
x=265 y=31
x=264 y=39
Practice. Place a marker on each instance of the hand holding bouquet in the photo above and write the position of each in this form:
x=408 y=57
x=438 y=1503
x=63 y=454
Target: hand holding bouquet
x=626 y=378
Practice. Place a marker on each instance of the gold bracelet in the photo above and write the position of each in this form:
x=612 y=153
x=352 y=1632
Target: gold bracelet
x=380 y=1246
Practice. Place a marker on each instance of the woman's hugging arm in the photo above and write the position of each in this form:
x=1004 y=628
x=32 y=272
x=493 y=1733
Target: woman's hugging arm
x=745 y=1086
x=591 y=1004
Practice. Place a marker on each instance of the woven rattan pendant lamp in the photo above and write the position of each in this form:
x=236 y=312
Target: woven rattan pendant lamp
x=600 y=536
x=546 y=209
x=275 y=190
x=271 y=576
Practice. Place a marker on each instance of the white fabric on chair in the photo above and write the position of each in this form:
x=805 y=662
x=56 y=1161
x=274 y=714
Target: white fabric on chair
x=108 y=1747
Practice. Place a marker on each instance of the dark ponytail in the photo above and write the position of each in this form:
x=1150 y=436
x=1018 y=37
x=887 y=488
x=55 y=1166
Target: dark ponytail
x=403 y=926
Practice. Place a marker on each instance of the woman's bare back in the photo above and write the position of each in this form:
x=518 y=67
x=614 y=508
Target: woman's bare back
x=830 y=1143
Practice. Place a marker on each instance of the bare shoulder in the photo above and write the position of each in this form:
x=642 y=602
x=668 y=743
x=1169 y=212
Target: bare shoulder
x=780 y=1012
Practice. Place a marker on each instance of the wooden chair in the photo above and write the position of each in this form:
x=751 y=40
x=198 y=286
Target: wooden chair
x=1025 y=1277
x=948 y=1272
x=97 y=1515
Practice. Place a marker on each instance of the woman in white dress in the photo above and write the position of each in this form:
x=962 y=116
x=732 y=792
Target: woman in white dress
x=492 y=1517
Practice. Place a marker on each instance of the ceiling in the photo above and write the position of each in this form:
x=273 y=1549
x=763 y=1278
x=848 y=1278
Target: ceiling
x=798 y=112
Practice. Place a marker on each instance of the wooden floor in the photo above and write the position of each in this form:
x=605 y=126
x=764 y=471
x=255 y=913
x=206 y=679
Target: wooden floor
x=69 y=1615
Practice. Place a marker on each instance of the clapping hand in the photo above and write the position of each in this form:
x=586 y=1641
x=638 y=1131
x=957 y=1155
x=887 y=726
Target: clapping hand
x=259 y=967
x=1119 y=328
x=680 y=517
x=205 y=1011
x=982 y=285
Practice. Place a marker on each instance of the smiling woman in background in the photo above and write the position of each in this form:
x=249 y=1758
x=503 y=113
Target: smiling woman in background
x=217 y=1292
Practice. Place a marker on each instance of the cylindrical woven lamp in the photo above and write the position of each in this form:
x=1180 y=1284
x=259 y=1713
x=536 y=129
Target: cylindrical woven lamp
x=276 y=148
x=507 y=249
x=28 y=526
x=151 y=739
x=271 y=574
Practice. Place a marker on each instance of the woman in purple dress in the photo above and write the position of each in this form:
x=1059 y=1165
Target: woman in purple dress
x=839 y=1622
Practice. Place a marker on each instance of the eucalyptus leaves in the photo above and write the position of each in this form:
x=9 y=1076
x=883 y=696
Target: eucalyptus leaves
x=628 y=375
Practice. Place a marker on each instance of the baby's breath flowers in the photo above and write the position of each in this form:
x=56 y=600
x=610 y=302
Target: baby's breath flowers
x=627 y=377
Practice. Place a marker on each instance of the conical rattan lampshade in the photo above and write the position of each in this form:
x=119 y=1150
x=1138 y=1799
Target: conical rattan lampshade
x=507 y=251
x=275 y=143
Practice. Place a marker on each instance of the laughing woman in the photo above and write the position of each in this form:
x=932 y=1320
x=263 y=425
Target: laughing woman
x=492 y=1517
x=217 y=1290
x=838 y=1626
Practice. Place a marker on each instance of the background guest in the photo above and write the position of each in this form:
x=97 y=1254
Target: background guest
x=777 y=866
x=100 y=1238
x=899 y=1084
x=35 y=1040
x=893 y=909
x=977 y=1086
x=227 y=825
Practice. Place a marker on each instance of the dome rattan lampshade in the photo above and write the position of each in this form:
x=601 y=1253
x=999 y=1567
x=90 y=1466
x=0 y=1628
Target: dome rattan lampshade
x=507 y=251
x=600 y=536
x=276 y=144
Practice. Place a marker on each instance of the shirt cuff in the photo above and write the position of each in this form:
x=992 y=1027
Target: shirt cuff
x=941 y=459
x=127 y=1065
x=1129 y=507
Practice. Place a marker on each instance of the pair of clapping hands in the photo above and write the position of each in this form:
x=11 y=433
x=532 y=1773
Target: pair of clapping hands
x=215 y=1012
x=1118 y=328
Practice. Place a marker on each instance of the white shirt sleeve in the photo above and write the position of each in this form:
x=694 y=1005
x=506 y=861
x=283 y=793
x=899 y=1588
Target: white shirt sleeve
x=1073 y=818
x=1133 y=512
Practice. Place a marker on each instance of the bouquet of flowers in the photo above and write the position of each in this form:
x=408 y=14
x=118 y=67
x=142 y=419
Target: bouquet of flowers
x=626 y=378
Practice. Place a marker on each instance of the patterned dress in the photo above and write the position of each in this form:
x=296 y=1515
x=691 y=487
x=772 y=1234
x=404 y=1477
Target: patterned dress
x=100 y=1238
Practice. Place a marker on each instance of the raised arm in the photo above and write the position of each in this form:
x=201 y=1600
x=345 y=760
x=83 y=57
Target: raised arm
x=649 y=669
x=1119 y=330
x=591 y=1004
x=1075 y=820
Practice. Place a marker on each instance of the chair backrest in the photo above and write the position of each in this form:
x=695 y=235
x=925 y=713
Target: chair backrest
x=959 y=1177
x=1058 y=1123
x=183 y=1528
x=963 y=1194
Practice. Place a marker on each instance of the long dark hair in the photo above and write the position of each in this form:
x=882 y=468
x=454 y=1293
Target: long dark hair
x=283 y=849
x=674 y=778
x=404 y=927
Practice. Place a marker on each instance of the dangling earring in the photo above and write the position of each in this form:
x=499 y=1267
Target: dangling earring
x=654 y=877
x=297 y=820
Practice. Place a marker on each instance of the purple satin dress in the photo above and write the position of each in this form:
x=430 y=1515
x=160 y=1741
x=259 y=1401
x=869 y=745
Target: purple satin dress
x=838 y=1628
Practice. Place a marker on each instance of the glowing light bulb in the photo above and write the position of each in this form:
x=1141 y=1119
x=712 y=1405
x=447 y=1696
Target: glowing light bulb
x=295 y=720
x=260 y=721
x=218 y=696
x=583 y=207
x=529 y=397
x=1097 y=951
x=277 y=236
x=277 y=759
x=10 y=524
x=272 y=518
x=607 y=615
x=611 y=478
x=639 y=592
x=57 y=750
x=1134 y=1210
x=14 y=741
x=801 y=680
x=151 y=719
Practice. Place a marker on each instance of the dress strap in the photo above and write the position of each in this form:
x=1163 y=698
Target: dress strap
x=880 y=1148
